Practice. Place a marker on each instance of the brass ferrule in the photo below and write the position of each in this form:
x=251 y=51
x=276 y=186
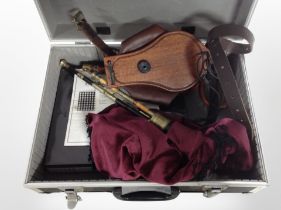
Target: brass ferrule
x=63 y=64
x=161 y=121
x=76 y=16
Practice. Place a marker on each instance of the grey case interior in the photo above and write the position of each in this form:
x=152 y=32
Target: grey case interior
x=75 y=54
x=126 y=17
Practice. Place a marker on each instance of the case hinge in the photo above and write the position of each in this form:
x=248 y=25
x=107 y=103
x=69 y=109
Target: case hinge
x=72 y=198
x=83 y=43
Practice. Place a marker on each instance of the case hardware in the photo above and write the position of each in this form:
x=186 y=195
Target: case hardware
x=72 y=198
x=83 y=43
x=146 y=193
x=103 y=30
x=210 y=192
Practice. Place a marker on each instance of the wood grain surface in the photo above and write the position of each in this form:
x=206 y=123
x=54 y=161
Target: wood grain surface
x=175 y=58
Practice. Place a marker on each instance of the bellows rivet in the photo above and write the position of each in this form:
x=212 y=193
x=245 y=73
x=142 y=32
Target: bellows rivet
x=144 y=66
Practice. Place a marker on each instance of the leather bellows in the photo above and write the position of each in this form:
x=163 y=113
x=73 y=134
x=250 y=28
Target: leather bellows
x=155 y=65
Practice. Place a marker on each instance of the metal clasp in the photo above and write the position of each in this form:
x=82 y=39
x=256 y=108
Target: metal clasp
x=72 y=198
x=210 y=192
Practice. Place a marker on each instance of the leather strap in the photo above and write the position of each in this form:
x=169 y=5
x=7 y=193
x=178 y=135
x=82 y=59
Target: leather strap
x=79 y=19
x=94 y=38
x=220 y=47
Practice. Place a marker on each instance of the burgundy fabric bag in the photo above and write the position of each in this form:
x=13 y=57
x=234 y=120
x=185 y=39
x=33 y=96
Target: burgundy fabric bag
x=128 y=147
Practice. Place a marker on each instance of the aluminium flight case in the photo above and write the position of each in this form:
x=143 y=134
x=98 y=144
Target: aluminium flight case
x=115 y=21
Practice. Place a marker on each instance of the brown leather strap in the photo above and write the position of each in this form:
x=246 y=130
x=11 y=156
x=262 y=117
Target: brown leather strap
x=78 y=18
x=94 y=38
x=220 y=47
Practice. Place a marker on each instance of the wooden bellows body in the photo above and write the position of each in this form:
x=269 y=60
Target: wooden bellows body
x=175 y=61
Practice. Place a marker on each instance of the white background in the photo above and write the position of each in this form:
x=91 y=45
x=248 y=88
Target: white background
x=24 y=51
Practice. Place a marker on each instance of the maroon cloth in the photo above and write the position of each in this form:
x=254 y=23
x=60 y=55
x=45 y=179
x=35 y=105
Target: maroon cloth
x=129 y=147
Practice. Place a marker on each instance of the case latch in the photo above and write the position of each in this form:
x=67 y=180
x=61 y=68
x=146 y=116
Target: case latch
x=212 y=191
x=72 y=198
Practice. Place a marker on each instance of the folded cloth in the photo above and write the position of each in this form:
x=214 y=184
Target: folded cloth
x=129 y=147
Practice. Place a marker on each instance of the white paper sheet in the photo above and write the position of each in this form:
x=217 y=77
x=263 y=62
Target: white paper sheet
x=85 y=99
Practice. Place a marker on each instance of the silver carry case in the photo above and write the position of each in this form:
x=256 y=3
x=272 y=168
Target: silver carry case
x=124 y=18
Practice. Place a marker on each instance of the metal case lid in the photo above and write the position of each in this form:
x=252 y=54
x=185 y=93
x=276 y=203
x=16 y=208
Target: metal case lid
x=115 y=20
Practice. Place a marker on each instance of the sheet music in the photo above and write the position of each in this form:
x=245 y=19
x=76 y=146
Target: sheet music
x=85 y=99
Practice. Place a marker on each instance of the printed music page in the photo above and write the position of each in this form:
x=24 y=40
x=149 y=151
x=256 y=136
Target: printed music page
x=85 y=99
